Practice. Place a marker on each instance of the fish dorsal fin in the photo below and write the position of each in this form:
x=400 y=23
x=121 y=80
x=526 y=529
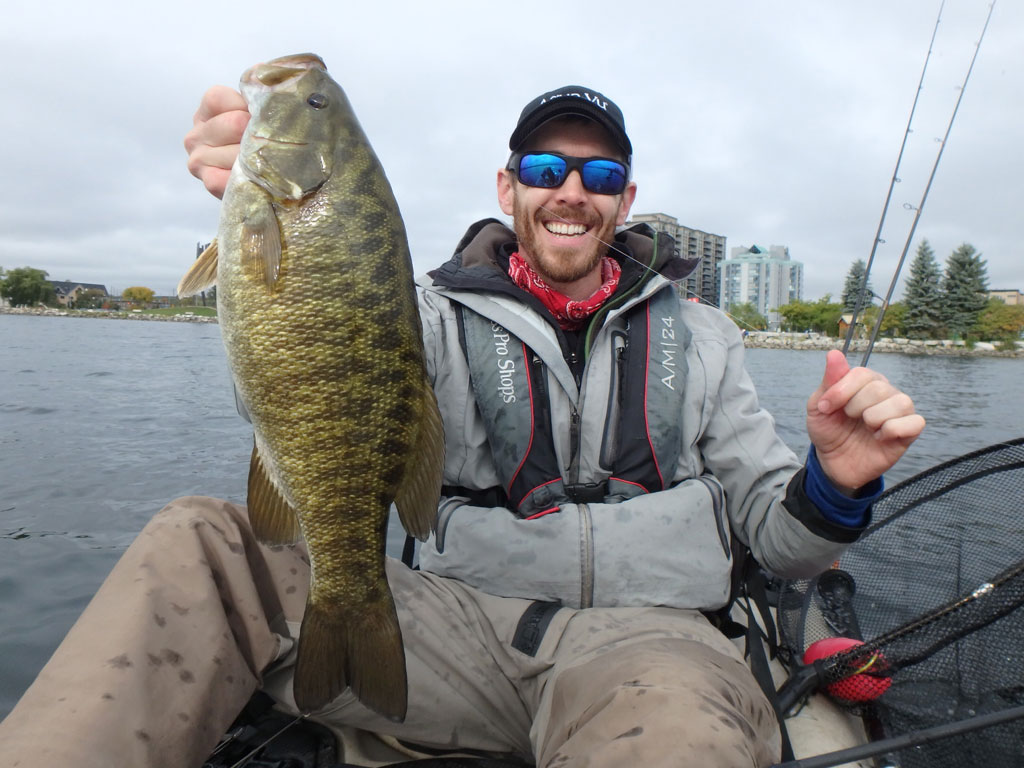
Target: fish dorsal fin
x=261 y=245
x=421 y=487
x=272 y=518
x=202 y=274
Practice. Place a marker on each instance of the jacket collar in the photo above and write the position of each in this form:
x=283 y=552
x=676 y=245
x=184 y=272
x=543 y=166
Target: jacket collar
x=480 y=261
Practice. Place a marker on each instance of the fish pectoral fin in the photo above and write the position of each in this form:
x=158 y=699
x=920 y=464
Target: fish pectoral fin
x=202 y=274
x=261 y=245
x=420 y=490
x=273 y=519
x=358 y=647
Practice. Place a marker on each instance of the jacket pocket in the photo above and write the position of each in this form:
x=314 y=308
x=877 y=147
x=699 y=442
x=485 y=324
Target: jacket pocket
x=667 y=548
x=718 y=510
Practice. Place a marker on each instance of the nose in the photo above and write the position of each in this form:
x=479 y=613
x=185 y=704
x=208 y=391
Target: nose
x=572 y=190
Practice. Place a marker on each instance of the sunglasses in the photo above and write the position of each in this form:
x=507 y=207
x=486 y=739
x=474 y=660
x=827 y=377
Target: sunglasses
x=550 y=169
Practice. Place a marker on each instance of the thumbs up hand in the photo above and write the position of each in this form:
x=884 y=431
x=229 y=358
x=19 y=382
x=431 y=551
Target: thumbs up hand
x=860 y=424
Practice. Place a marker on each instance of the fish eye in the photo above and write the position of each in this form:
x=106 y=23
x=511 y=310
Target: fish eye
x=317 y=100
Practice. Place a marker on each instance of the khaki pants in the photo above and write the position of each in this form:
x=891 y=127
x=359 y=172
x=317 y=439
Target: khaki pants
x=196 y=616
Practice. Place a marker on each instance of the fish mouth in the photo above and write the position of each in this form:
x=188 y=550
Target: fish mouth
x=284 y=69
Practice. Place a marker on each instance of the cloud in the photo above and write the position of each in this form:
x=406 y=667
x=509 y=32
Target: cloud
x=768 y=122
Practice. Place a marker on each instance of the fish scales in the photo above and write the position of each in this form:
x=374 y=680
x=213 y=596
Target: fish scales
x=323 y=336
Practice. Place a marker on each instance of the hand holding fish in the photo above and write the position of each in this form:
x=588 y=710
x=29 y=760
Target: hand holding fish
x=216 y=135
x=860 y=424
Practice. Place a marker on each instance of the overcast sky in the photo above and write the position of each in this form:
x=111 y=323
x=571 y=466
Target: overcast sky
x=772 y=122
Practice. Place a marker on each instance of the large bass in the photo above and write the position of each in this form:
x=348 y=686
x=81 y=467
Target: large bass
x=318 y=313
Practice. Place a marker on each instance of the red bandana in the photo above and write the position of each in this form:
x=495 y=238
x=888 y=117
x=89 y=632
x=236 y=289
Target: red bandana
x=570 y=314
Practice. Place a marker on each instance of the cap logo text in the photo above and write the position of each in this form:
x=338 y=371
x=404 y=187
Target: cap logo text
x=575 y=94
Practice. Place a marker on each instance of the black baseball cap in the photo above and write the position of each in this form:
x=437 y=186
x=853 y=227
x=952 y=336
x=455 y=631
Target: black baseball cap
x=572 y=100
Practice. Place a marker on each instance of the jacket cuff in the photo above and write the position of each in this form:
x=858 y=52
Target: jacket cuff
x=801 y=506
x=835 y=505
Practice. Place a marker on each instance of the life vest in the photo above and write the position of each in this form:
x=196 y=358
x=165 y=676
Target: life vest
x=640 y=448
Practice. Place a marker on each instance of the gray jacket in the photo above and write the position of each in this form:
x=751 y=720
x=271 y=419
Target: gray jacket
x=734 y=477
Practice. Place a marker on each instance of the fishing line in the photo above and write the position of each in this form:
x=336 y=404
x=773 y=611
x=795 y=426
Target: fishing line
x=892 y=184
x=647 y=268
x=924 y=196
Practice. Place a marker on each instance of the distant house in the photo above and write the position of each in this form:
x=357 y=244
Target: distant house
x=1011 y=296
x=67 y=291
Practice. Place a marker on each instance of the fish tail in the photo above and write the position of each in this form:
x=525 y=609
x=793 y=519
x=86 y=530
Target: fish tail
x=362 y=650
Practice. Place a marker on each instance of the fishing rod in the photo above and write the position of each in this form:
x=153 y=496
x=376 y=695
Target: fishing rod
x=891 y=744
x=866 y=669
x=924 y=197
x=892 y=184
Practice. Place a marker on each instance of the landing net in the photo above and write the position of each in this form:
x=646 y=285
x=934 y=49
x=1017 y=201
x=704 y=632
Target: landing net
x=934 y=588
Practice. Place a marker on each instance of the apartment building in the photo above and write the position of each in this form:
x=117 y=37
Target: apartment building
x=766 y=278
x=691 y=243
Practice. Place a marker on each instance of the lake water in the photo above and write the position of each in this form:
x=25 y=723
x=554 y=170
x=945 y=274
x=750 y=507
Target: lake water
x=104 y=421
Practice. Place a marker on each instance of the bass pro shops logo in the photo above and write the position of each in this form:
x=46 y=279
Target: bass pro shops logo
x=506 y=365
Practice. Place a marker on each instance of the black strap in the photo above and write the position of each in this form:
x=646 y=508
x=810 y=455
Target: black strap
x=581 y=493
x=755 y=591
x=532 y=626
x=409 y=550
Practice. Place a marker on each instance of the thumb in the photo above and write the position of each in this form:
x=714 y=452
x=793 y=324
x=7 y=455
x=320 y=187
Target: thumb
x=836 y=367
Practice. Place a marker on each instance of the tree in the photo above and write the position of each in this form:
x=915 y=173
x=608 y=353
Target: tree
x=893 y=323
x=821 y=316
x=852 y=286
x=1000 y=321
x=964 y=287
x=138 y=294
x=923 y=296
x=90 y=299
x=26 y=286
x=747 y=317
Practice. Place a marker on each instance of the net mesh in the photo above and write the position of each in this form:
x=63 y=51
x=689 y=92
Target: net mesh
x=933 y=586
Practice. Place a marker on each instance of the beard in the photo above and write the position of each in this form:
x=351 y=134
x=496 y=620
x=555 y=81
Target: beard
x=560 y=266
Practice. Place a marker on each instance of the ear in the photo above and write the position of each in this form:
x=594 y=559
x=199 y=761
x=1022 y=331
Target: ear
x=506 y=192
x=628 y=196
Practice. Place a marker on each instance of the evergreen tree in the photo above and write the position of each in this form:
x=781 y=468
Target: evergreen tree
x=964 y=288
x=923 y=296
x=852 y=287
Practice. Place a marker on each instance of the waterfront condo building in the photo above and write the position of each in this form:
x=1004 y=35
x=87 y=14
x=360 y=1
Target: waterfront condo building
x=768 y=279
x=702 y=283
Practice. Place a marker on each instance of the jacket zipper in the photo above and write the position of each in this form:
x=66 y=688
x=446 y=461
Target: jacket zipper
x=610 y=440
x=586 y=558
x=574 y=446
x=540 y=379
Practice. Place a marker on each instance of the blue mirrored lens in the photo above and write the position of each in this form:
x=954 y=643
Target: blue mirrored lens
x=601 y=176
x=542 y=170
x=605 y=177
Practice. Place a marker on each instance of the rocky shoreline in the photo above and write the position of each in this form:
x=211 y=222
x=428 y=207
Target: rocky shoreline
x=817 y=341
x=109 y=314
x=753 y=340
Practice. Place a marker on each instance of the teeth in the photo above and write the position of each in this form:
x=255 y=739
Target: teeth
x=561 y=228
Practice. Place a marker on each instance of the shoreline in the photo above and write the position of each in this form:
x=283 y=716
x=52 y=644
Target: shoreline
x=914 y=347
x=106 y=314
x=753 y=340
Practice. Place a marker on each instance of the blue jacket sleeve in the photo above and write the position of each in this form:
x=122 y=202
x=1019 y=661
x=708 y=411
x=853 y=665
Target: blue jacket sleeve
x=834 y=505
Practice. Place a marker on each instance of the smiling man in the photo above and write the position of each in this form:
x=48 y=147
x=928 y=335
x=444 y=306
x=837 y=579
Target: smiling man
x=604 y=449
x=563 y=228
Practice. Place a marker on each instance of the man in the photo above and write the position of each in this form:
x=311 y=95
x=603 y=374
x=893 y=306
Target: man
x=603 y=448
